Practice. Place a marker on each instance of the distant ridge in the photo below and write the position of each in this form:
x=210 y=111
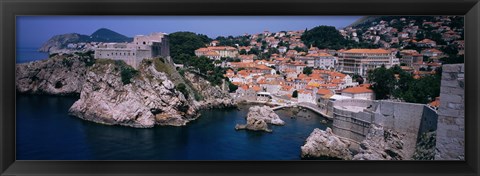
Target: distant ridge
x=59 y=42
x=363 y=20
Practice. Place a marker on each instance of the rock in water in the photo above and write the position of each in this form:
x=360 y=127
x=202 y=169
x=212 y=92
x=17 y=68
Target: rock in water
x=148 y=98
x=59 y=75
x=326 y=144
x=381 y=144
x=258 y=117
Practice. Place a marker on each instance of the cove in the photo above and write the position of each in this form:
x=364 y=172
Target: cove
x=45 y=131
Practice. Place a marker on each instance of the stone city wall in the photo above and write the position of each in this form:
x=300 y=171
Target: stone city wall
x=408 y=119
x=450 y=144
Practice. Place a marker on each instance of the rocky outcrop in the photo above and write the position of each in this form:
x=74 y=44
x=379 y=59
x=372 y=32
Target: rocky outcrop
x=325 y=144
x=259 y=117
x=59 y=75
x=212 y=96
x=59 y=42
x=148 y=98
x=381 y=144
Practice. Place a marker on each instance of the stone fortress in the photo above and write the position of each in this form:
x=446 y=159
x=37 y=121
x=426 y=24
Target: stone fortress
x=352 y=118
x=142 y=47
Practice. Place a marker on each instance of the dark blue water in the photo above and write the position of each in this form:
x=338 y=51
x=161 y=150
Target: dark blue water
x=46 y=132
x=27 y=54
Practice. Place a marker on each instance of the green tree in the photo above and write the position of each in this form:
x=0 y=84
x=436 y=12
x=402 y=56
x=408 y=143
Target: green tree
x=358 y=78
x=307 y=70
x=243 y=52
x=295 y=94
x=382 y=82
x=455 y=59
x=182 y=88
x=232 y=87
x=185 y=43
x=324 y=37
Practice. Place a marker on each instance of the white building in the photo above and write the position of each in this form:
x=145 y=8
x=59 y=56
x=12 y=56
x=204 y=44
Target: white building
x=360 y=92
x=306 y=96
x=359 y=61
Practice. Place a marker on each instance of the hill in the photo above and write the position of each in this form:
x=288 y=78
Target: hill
x=61 y=42
x=107 y=35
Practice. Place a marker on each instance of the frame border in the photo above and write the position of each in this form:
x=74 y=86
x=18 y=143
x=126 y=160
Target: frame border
x=10 y=9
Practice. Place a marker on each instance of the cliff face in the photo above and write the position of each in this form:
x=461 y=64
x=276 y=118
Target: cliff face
x=60 y=75
x=150 y=98
x=213 y=96
x=113 y=93
x=382 y=144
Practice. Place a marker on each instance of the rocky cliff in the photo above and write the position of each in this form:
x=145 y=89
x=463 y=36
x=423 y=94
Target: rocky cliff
x=212 y=96
x=113 y=93
x=145 y=98
x=59 y=75
x=382 y=144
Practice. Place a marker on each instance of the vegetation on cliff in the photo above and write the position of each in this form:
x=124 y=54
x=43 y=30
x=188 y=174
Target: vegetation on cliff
x=184 y=44
x=327 y=37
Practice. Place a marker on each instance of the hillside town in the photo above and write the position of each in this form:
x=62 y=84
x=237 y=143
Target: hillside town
x=382 y=88
x=295 y=72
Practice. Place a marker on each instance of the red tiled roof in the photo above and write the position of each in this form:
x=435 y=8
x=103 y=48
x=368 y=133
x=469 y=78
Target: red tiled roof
x=359 y=89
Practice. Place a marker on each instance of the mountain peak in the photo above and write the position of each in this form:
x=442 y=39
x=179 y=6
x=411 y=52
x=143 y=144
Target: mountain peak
x=107 y=35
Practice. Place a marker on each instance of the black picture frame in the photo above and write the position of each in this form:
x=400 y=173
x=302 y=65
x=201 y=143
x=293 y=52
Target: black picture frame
x=9 y=9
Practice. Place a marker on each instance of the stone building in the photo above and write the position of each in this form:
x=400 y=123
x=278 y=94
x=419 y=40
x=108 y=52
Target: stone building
x=142 y=47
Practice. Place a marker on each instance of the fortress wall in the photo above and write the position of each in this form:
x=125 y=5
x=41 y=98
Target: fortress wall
x=355 y=102
x=350 y=124
x=408 y=119
x=451 y=114
x=405 y=118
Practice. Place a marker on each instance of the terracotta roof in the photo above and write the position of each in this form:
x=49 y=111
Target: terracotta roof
x=336 y=81
x=221 y=48
x=368 y=51
x=287 y=88
x=426 y=41
x=433 y=50
x=436 y=102
x=237 y=83
x=212 y=53
x=318 y=55
x=324 y=92
x=359 y=89
x=256 y=88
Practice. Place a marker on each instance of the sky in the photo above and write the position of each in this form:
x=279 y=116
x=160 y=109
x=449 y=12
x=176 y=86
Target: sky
x=33 y=31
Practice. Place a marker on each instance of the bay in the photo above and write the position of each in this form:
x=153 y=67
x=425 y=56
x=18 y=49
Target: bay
x=45 y=131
